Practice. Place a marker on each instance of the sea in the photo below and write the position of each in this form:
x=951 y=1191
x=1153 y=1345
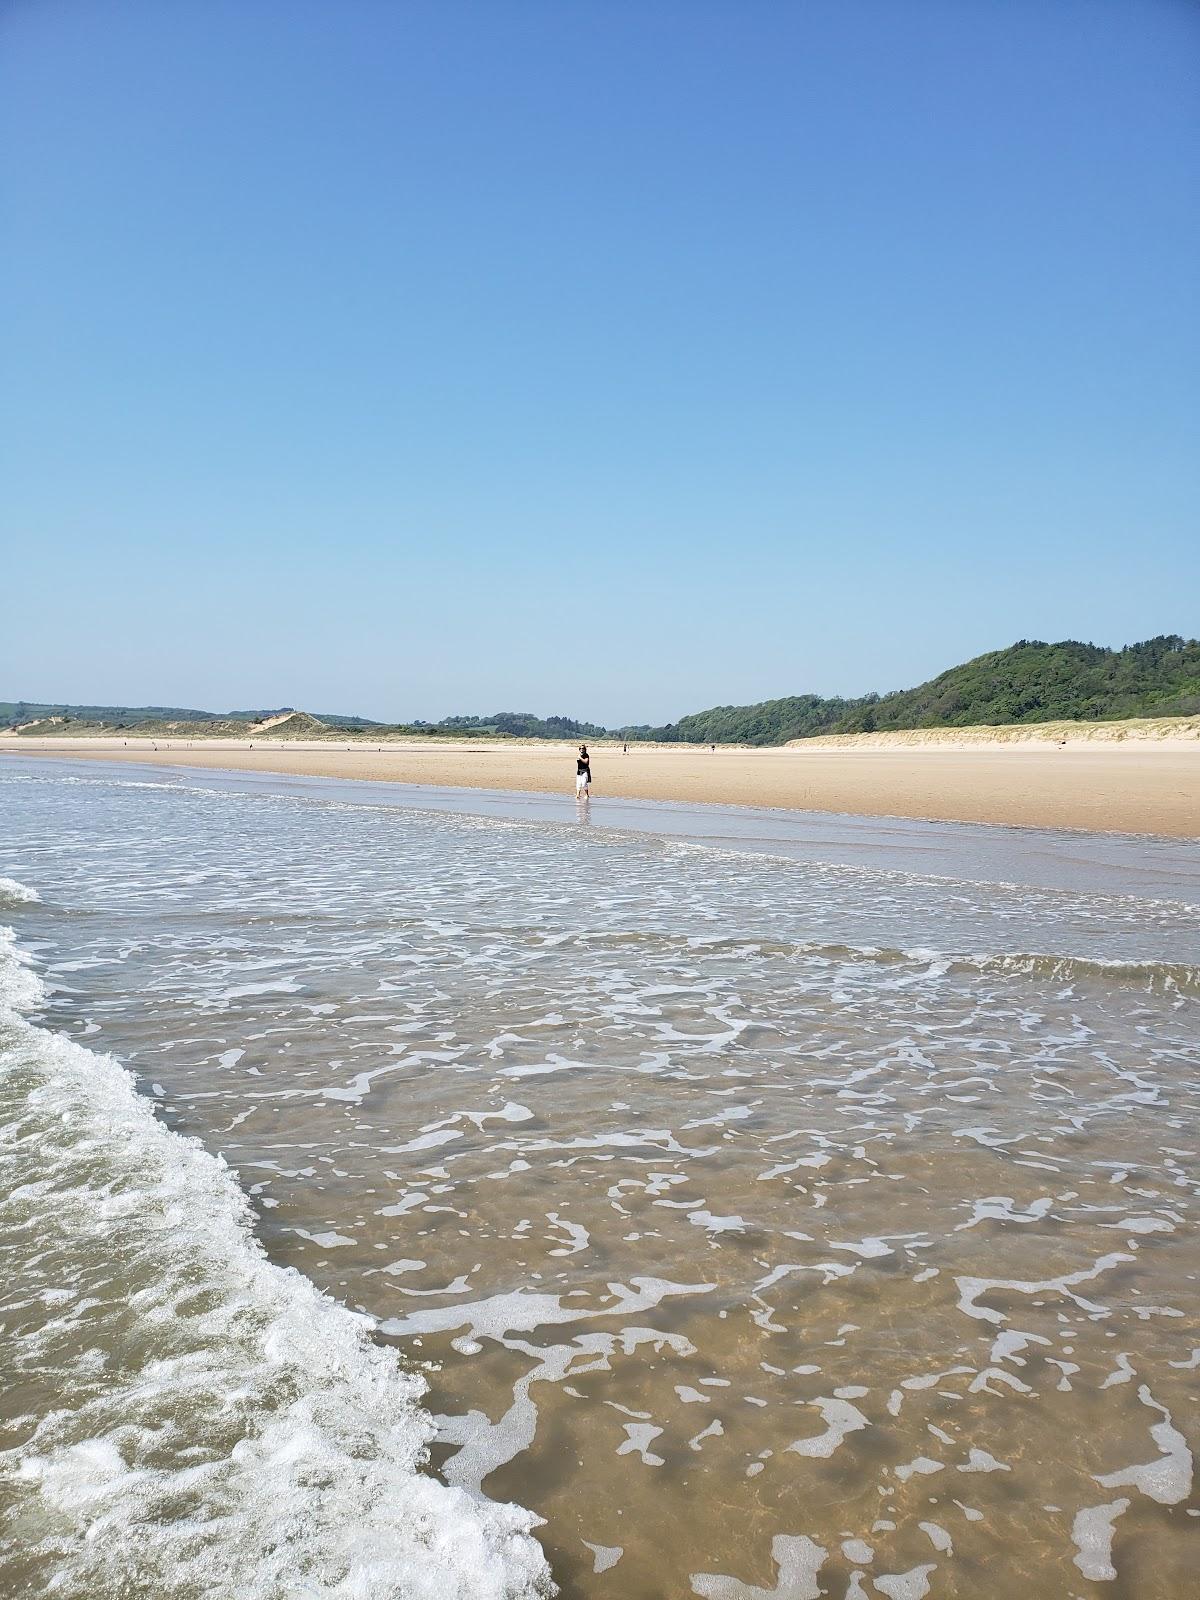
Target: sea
x=414 y=1193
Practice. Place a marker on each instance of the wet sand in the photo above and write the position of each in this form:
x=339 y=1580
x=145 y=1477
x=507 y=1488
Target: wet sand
x=1140 y=786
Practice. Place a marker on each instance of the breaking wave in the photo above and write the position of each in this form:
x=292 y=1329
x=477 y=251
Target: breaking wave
x=218 y=1424
x=1152 y=977
x=13 y=893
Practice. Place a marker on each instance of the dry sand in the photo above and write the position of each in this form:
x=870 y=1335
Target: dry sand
x=1139 y=785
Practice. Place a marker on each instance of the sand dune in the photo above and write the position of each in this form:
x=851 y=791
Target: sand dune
x=1182 y=731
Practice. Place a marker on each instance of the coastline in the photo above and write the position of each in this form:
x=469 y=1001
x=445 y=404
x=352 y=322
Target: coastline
x=1148 y=786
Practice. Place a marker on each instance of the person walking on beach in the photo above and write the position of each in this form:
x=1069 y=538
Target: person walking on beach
x=583 y=773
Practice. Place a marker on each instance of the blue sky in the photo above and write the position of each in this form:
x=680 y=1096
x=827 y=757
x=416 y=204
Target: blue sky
x=610 y=359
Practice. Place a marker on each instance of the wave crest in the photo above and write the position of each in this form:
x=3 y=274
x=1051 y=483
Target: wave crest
x=13 y=893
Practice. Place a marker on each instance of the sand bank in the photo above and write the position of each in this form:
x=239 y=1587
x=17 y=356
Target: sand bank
x=1136 y=786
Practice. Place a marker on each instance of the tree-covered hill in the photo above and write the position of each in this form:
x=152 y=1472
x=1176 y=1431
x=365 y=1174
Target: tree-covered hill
x=1029 y=682
x=1036 y=682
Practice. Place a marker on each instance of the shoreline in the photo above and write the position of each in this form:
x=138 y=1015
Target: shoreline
x=1147 y=787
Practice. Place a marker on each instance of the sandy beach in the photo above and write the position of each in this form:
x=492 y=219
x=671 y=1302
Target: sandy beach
x=1135 y=785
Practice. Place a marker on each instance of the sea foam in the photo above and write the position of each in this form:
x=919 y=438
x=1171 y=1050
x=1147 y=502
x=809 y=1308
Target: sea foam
x=217 y=1424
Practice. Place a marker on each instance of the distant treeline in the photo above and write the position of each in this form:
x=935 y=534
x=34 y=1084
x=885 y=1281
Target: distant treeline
x=517 y=724
x=1031 y=681
x=15 y=712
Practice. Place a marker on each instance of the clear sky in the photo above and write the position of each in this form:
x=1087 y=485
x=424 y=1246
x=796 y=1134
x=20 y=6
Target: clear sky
x=611 y=359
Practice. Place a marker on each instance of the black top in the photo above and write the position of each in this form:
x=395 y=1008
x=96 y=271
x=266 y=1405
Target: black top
x=583 y=766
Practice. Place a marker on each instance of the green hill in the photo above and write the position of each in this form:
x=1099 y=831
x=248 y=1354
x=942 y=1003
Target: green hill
x=1036 y=682
x=1029 y=682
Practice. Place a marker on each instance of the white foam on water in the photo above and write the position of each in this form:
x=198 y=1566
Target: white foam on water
x=1122 y=1373
x=1000 y=1207
x=1006 y=1345
x=870 y=1249
x=982 y=1461
x=13 y=893
x=714 y=1430
x=984 y=1380
x=969 y=1289
x=1141 y=1225
x=1092 y=1532
x=231 y=1430
x=911 y=1585
x=1168 y=1479
x=840 y=1419
x=20 y=987
x=521 y=1311
x=641 y=1436
x=714 y=1224
x=510 y=1111
x=799 y=1560
x=328 y=1241
x=930 y=1380
x=938 y=1537
x=604 y=1556
x=486 y=1445
x=922 y=1466
x=578 y=1235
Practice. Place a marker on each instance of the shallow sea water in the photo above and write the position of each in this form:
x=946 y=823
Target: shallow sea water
x=771 y=1207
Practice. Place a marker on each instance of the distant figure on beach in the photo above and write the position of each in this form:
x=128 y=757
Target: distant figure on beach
x=624 y=749
x=583 y=772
